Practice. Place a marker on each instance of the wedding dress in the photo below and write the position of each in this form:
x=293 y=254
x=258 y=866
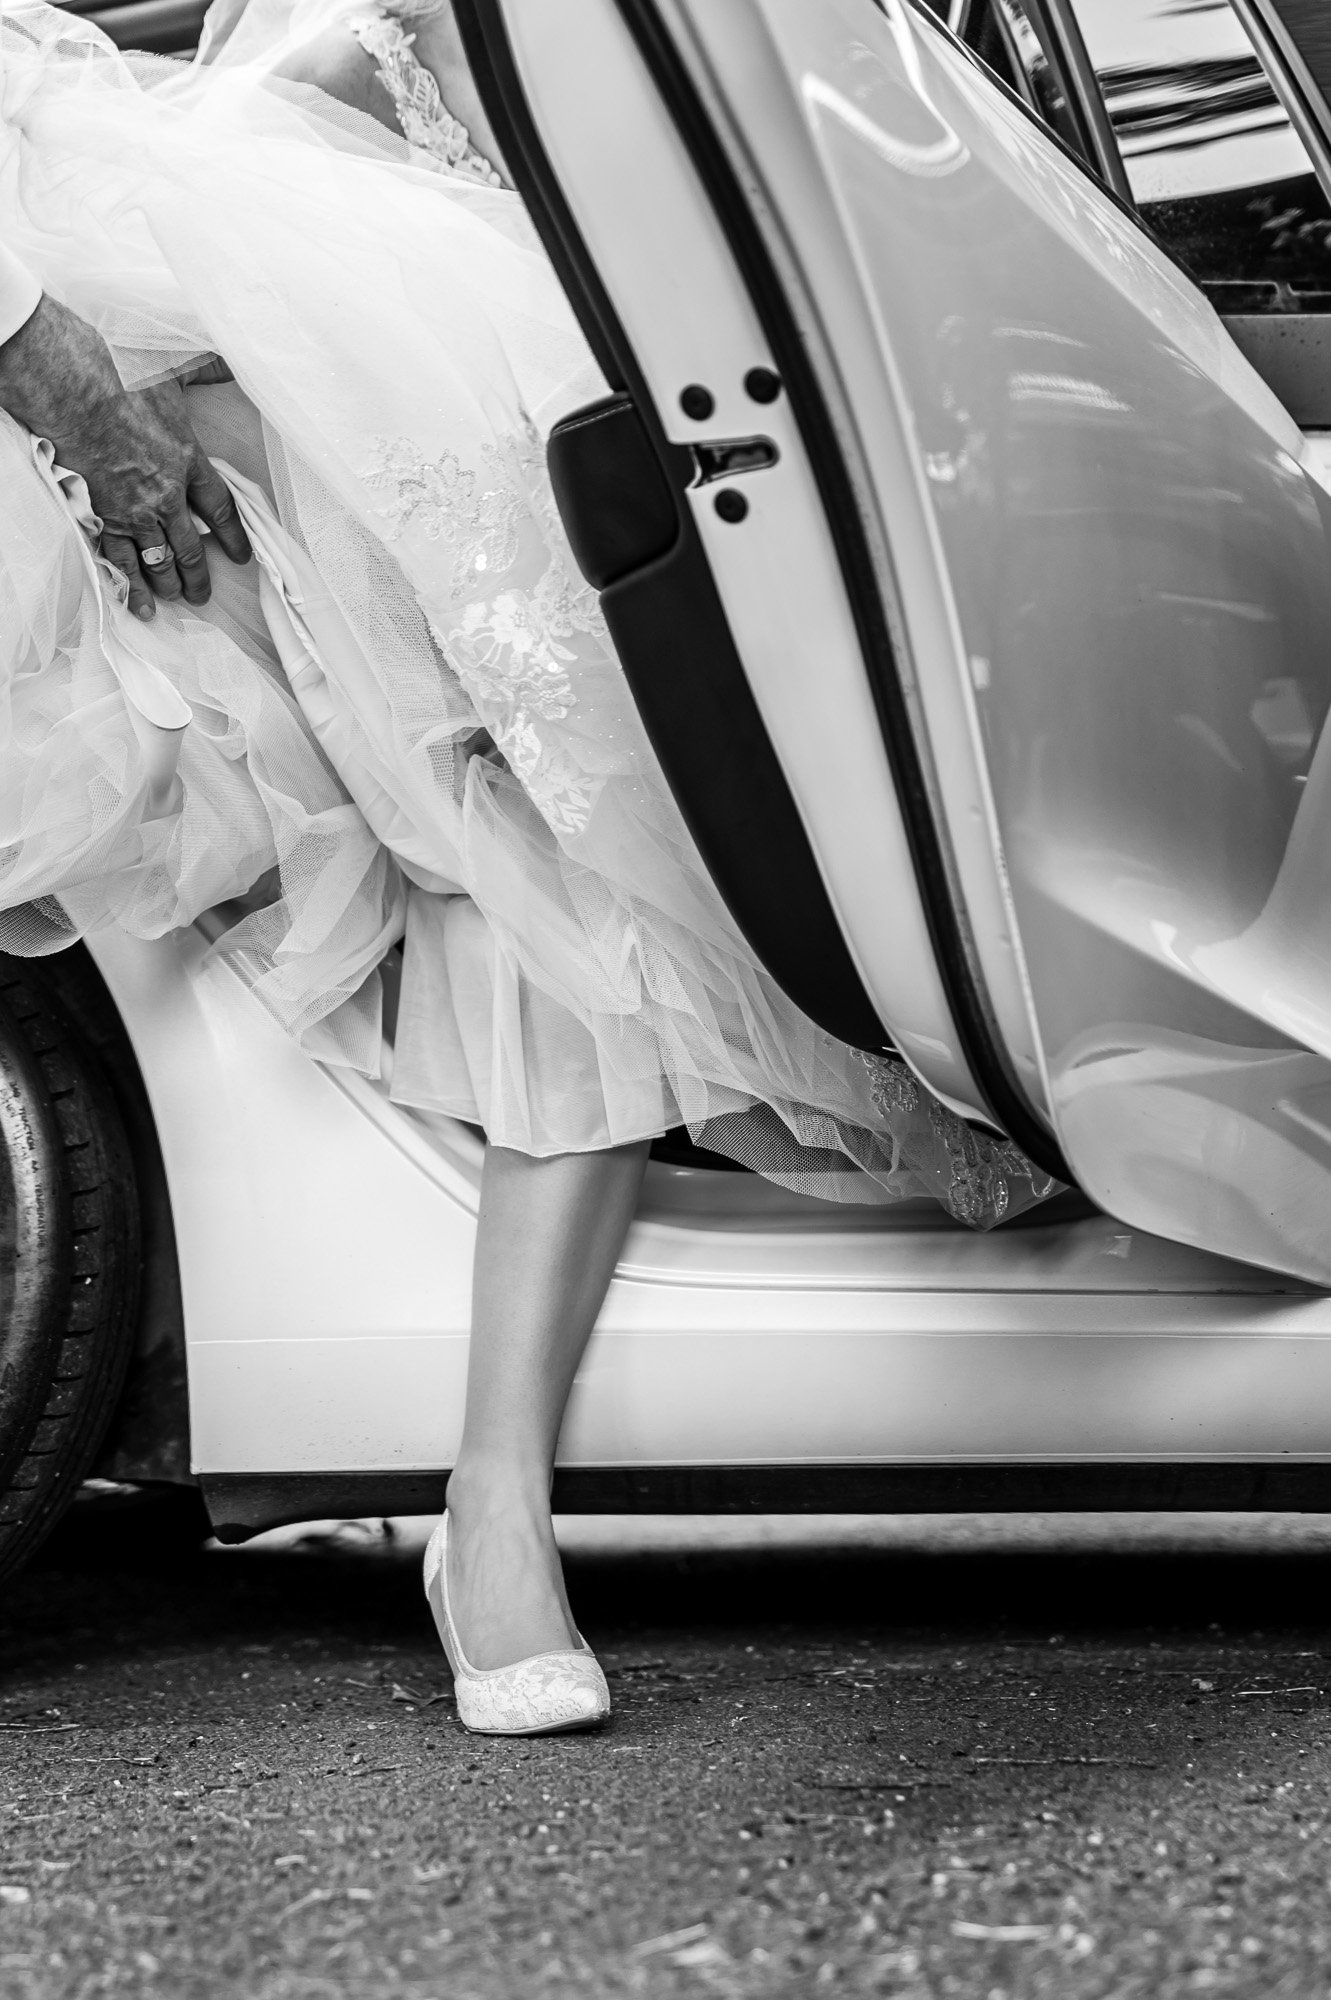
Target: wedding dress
x=404 y=721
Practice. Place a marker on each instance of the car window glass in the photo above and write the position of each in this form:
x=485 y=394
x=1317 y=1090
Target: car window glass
x=1215 y=167
x=1042 y=86
x=1003 y=34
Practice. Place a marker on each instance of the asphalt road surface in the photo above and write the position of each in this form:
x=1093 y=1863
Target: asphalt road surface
x=981 y=1758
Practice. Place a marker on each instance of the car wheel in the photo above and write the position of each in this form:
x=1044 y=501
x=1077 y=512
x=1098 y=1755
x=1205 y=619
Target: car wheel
x=69 y=1260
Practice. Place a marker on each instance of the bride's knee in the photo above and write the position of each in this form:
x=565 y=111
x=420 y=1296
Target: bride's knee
x=334 y=62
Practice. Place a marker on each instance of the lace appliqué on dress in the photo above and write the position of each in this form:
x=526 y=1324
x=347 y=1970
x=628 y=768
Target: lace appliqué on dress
x=509 y=650
x=892 y=1088
x=982 y=1169
x=425 y=121
x=440 y=497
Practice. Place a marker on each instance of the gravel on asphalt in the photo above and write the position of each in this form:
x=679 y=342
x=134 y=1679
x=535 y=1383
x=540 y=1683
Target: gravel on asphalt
x=984 y=1759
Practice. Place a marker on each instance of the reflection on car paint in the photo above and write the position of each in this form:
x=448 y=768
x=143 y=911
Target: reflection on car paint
x=1136 y=556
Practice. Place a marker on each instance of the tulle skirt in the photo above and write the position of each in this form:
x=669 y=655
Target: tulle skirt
x=404 y=721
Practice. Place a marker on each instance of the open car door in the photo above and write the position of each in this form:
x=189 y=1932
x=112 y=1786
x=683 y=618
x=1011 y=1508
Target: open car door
x=975 y=591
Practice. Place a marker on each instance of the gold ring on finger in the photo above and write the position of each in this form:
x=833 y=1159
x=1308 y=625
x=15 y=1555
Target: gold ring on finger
x=158 y=554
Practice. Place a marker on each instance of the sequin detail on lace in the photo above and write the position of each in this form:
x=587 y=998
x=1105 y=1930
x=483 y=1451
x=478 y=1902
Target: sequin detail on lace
x=426 y=123
x=982 y=1170
x=440 y=496
x=892 y=1088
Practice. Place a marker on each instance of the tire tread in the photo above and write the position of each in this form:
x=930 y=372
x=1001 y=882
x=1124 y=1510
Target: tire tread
x=101 y=1307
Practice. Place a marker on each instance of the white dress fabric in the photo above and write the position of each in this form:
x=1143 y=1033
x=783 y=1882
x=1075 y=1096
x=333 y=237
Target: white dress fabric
x=20 y=294
x=404 y=721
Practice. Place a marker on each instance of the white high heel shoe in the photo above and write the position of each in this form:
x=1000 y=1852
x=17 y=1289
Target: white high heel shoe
x=534 y=1697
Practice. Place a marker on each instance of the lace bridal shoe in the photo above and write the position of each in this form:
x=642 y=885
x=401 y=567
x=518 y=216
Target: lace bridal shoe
x=533 y=1697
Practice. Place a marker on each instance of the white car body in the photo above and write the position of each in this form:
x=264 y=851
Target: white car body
x=324 y=1239
x=325 y=1235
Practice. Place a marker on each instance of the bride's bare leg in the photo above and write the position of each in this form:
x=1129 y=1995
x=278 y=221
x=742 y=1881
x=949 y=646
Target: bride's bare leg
x=335 y=62
x=439 y=47
x=549 y=1236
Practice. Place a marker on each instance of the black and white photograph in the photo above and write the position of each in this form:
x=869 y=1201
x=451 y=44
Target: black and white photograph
x=665 y=999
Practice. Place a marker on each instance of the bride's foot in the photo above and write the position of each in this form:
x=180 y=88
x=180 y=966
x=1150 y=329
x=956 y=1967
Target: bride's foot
x=505 y=1581
x=494 y=1584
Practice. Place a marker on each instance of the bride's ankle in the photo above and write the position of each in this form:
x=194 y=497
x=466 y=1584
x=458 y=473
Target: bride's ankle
x=484 y=1486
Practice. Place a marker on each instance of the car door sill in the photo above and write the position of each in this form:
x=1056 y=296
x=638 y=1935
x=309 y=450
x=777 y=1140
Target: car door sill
x=241 y=1505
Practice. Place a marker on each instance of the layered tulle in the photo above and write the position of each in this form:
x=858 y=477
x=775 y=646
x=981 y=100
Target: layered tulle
x=404 y=720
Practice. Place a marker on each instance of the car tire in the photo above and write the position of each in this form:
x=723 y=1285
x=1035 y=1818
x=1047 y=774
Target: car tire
x=69 y=1260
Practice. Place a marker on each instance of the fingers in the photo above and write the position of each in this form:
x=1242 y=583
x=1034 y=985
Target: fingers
x=190 y=567
x=149 y=561
x=123 y=552
x=211 y=500
x=157 y=561
x=165 y=557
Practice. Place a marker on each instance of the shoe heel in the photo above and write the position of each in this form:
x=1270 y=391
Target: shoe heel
x=436 y=1585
